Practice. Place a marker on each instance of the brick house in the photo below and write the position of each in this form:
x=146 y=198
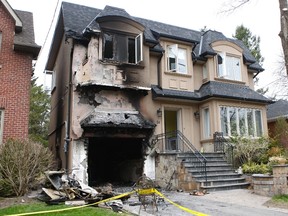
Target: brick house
x=129 y=94
x=276 y=111
x=17 y=50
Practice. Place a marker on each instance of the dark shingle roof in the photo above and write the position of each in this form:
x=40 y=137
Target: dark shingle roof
x=277 y=109
x=213 y=89
x=25 y=40
x=78 y=18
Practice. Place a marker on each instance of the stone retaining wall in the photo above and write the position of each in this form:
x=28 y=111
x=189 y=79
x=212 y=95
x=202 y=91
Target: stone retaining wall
x=270 y=185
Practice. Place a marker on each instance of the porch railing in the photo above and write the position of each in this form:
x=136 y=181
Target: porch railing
x=176 y=142
x=221 y=144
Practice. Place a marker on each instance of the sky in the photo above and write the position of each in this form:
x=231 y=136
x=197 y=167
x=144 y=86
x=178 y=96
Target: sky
x=260 y=17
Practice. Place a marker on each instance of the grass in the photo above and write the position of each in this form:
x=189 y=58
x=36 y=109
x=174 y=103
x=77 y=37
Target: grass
x=280 y=198
x=35 y=207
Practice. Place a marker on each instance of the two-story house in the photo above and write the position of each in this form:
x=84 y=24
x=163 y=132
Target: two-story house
x=128 y=92
x=17 y=50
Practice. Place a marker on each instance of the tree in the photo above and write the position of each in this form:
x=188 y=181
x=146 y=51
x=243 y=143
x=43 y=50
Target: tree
x=39 y=113
x=283 y=34
x=252 y=42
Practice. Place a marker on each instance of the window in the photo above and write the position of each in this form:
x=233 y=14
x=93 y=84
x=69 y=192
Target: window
x=237 y=121
x=122 y=48
x=229 y=67
x=1 y=125
x=206 y=123
x=205 y=72
x=177 y=59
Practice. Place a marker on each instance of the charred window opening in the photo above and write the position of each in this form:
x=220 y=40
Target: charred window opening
x=108 y=46
x=122 y=48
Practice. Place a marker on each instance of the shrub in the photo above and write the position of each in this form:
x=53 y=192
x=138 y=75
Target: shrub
x=253 y=168
x=21 y=163
x=248 y=150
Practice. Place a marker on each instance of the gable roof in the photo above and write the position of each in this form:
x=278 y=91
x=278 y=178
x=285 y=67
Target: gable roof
x=79 y=20
x=277 y=110
x=24 y=40
x=213 y=89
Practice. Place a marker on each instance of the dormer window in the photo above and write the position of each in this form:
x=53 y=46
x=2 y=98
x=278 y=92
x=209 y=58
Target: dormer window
x=177 y=59
x=229 y=67
x=122 y=48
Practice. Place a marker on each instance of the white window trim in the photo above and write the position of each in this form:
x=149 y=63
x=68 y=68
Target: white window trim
x=246 y=120
x=176 y=70
x=225 y=74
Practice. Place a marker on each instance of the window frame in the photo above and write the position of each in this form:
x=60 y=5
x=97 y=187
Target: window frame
x=239 y=125
x=176 y=47
x=206 y=123
x=224 y=71
x=116 y=51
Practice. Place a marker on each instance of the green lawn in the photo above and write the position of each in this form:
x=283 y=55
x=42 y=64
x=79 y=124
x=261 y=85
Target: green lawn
x=36 y=207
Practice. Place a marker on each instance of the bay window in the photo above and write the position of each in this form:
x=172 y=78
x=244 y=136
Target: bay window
x=177 y=59
x=229 y=67
x=237 y=121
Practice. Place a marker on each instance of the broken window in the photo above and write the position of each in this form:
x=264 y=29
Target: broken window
x=122 y=48
x=177 y=59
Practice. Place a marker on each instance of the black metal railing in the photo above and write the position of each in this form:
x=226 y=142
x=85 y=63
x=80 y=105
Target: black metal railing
x=221 y=144
x=176 y=142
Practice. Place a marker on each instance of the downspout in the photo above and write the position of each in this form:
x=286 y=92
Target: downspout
x=158 y=70
x=68 y=122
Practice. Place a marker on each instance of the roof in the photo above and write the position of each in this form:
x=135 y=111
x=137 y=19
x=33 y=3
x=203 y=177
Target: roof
x=24 y=30
x=25 y=40
x=124 y=119
x=213 y=89
x=79 y=19
x=277 y=110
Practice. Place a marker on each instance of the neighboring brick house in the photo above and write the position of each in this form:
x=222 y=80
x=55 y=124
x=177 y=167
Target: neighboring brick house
x=275 y=111
x=17 y=50
x=123 y=85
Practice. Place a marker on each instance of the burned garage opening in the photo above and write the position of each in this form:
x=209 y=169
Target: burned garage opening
x=115 y=160
x=118 y=141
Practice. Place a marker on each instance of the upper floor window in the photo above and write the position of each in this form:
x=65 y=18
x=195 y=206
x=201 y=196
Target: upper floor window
x=229 y=67
x=123 y=48
x=237 y=121
x=1 y=124
x=177 y=59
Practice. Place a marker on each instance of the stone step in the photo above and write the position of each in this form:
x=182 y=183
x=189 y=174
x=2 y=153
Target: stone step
x=226 y=187
x=222 y=181
x=220 y=176
x=226 y=171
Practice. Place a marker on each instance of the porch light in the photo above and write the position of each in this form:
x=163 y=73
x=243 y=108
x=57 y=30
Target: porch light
x=159 y=112
x=197 y=114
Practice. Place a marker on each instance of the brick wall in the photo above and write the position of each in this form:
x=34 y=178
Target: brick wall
x=15 y=76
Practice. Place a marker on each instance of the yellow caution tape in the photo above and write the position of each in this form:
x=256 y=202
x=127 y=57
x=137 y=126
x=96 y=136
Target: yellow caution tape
x=140 y=192
x=76 y=207
x=181 y=207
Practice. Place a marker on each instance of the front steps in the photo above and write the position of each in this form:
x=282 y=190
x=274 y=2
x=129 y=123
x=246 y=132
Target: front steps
x=220 y=174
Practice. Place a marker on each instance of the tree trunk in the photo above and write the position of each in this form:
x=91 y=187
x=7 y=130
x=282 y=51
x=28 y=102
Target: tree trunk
x=284 y=30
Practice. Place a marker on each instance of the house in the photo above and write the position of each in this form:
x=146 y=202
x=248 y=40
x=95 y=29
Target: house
x=276 y=111
x=129 y=93
x=17 y=51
